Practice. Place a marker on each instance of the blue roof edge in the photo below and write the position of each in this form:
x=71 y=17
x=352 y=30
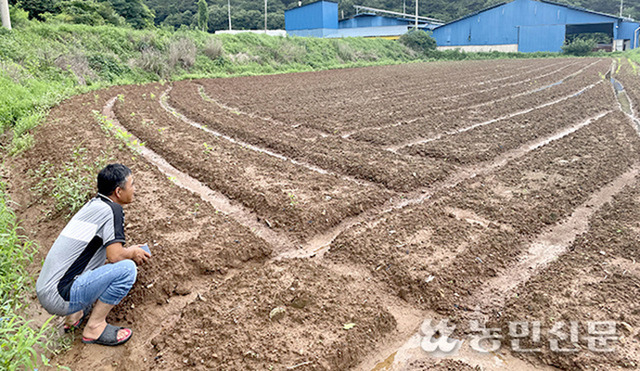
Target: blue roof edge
x=541 y=1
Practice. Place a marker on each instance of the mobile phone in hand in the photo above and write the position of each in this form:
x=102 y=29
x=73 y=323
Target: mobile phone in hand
x=145 y=247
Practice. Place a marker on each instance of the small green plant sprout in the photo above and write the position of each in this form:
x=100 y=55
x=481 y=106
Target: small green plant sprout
x=147 y=122
x=293 y=200
x=123 y=135
x=152 y=96
x=162 y=130
x=203 y=94
x=133 y=114
x=633 y=66
x=196 y=209
x=207 y=149
x=173 y=179
x=120 y=134
x=105 y=124
x=121 y=98
x=137 y=143
x=70 y=185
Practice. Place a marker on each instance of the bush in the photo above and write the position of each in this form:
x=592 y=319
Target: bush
x=19 y=340
x=213 y=49
x=19 y=17
x=182 y=52
x=77 y=64
x=290 y=53
x=345 y=51
x=418 y=41
x=107 y=66
x=579 y=47
x=152 y=60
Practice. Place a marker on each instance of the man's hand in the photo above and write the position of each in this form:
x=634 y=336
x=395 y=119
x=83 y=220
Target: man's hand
x=138 y=255
x=116 y=252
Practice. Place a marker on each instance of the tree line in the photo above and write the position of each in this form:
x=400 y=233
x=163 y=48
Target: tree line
x=212 y=15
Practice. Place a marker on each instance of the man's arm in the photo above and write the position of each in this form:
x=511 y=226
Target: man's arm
x=117 y=252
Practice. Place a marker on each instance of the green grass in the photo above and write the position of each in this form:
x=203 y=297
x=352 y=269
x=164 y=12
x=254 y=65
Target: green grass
x=21 y=346
x=70 y=184
x=633 y=55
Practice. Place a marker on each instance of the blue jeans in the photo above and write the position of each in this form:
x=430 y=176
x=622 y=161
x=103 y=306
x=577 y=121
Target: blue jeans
x=109 y=283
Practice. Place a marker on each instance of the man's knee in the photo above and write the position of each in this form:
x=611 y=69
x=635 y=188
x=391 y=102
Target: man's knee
x=129 y=271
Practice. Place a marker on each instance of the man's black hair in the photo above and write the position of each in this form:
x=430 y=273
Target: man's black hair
x=112 y=177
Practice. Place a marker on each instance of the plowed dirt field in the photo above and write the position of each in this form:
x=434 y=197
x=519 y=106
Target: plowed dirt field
x=319 y=221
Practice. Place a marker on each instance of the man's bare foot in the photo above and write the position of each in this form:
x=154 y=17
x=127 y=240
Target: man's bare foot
x=94 y=331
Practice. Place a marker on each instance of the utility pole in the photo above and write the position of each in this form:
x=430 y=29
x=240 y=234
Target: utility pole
x=229 y=9
x=404 y=6
x=416 y=14
x=265 y=16
x=4 y=12
x=621 y=4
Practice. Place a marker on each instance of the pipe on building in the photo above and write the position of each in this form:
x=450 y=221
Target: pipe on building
x=635 y=38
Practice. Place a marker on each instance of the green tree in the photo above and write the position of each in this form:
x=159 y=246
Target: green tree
x=36 y=8
x=579 y=47
x=418 y=40
x=88 y=12
x=135 y=12
x=203 y=15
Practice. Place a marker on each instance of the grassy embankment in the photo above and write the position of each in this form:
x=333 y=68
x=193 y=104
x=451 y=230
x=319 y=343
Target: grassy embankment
x=42 y=64
x=633 y=55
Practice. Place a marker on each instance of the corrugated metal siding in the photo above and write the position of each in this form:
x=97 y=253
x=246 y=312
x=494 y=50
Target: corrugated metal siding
x=371 y=21
x=500 y=25
x=626 y=31
x=385 y=31
x=547 y=38
x=318 y=15
x=315 y=32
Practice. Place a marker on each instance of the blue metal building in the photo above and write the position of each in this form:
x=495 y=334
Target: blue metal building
x=317 y=19
x=320 y=19
x=531 y=26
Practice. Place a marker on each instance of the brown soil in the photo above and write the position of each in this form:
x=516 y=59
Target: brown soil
x=287 y=197
x=411 y=235
x=384 y=93
x=478 y=109
x=596 y=280
x=486 y=142
x=373 y=164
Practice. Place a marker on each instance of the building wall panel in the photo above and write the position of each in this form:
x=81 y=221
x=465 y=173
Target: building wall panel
x=321 y=14
x=371 y=21
x=547 y=38
x=501 y=25
x=627 y=32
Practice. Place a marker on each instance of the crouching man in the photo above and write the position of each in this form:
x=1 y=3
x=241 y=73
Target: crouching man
x=76 y=275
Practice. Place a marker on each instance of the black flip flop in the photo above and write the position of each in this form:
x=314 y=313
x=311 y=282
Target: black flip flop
x=70 y=328
x=109 y=336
